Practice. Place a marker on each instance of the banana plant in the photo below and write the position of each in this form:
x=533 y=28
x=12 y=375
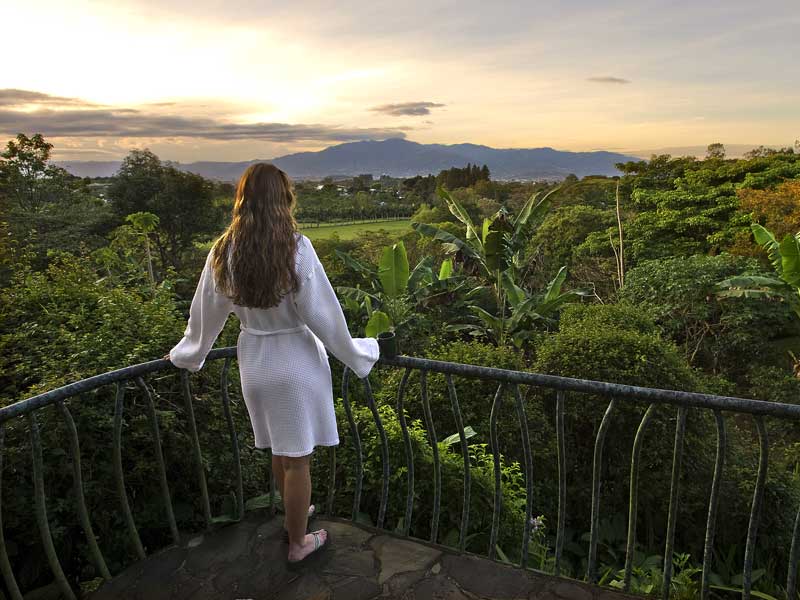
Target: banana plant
x=496 y=251
x=396 y=289
x=526 y=310
x=785 y=259
x=498 y=243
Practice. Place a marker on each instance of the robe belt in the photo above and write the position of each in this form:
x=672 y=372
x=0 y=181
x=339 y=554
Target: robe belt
x=252 y=331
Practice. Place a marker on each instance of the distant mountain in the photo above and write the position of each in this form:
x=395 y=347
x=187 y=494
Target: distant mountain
x=402 y=158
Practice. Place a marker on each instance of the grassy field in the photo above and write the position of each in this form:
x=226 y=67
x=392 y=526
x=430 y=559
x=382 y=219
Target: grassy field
x=348 y=232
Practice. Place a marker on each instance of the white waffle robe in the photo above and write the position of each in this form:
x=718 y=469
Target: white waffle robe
x=286 y=378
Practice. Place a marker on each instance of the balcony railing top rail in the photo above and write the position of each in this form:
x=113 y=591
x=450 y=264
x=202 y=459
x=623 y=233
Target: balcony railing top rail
x=569 y=384
x=509 y=382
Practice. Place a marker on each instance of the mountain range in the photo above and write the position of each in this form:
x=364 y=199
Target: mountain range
x=400 y=158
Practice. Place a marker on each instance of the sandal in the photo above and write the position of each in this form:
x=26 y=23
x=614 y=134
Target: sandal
x=311 y=512
x=316 y=552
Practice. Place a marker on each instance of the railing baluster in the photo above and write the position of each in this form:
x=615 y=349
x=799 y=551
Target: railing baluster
x=401 y=414
x=755 y=510
x=41 y=509
x=80 y=500
x=498 y=493
x=331 y=479
x=437 y=474
x=198 y=454
x=462 y=535
x=356 y=443
x=237 y=460
x=384 y=453
x=118 y=473
x=5 y=564
x=562 y=479
x=713 y=503
x=597 y=465
x=791 y=577
x=674 y=498
x=526 y=449
x=633 y=496
x=162 y=469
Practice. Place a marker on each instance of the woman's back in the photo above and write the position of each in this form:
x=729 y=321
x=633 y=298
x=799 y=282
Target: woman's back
x=284 y=315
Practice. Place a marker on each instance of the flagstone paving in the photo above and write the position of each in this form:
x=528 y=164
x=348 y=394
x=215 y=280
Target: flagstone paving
x=247 y=561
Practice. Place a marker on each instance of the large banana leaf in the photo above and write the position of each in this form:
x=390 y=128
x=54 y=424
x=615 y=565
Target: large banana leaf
x=554 y=287
x=766 y=240
x=451 y=242
x=459 y=213
x=393 y=270
x=378 y=323
x=534 y=209
x=749 y=293
x=354 y=293
x=547 y=308
x=446 y=270
x=790 y=260
x=495 y=248
x=515 y=294
x=421 y=275
x=356 y=265
x=492 y=322
x=750 y=282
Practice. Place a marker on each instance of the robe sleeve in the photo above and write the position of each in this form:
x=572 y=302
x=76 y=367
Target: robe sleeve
x=319 y=308
x=207 y=317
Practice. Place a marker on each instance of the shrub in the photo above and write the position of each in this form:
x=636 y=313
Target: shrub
x=474 y=396
x=452 y=473
x=680 y=295
x=616 y=344
x=562 y=232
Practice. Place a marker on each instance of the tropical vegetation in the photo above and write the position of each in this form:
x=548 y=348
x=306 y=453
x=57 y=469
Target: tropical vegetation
x=678 y=274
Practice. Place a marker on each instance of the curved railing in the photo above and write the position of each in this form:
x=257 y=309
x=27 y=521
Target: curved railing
x=509 y=383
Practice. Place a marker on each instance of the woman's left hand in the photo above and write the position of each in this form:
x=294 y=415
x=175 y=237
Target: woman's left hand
x=166 y=357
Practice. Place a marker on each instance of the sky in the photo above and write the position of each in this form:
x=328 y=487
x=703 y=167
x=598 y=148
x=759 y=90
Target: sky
x=247 y=79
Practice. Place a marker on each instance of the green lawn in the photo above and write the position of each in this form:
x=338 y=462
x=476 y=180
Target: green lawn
x=348 y=232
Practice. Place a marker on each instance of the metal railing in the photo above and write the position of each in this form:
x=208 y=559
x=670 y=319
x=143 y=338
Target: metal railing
x=509 y=383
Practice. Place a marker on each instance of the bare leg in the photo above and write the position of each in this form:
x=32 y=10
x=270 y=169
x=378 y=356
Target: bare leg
x=280 y=475
x=297 y=495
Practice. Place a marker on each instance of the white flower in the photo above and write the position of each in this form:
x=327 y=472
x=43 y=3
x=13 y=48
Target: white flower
x=537 y=523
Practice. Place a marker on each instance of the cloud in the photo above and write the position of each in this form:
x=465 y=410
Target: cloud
x=607 y=79
x=404 y=109
x=75 y=118
x=12 y=97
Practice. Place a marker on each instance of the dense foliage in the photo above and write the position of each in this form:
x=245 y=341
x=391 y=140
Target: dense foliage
x=679 y=274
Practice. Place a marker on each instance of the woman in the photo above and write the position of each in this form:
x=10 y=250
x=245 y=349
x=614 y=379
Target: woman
x=268 y=274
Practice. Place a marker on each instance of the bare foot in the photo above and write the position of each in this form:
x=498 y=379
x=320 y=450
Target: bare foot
x=311 y=542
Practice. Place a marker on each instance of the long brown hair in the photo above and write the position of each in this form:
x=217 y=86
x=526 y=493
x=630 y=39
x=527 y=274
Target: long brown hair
x=254 y=260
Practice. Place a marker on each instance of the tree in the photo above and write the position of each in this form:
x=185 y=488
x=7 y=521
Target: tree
x=145 y=223
x=778 y=209
x=715 y=151
x=136 y=183
x=495 y=253
x=27 y=179
x=785 y=259
x=183 y=202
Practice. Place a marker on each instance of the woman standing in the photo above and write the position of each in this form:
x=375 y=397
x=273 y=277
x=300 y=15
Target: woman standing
x=268 y=274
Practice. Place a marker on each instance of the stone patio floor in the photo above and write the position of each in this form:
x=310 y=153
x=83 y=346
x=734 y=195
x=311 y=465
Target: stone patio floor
x=247 y=560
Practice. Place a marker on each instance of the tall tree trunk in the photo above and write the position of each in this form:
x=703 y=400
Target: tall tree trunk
x=621 y=257
x=149 y=261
